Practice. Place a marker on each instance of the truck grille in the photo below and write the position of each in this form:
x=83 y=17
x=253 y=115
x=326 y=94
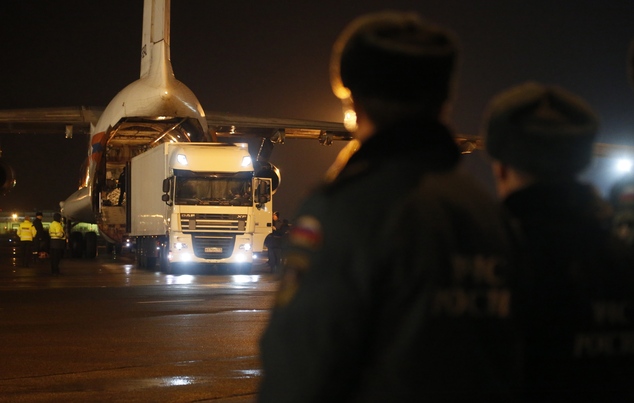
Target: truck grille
x=216 y=246
x=213 y=222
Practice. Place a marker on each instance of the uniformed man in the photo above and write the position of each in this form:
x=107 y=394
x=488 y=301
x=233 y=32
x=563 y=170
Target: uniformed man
x=397 y=284
x=58 y=242
x=578 y=308
x=26 y=232
x=275 y=240
x=39 y=239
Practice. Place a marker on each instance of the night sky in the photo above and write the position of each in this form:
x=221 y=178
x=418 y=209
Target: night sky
x=270 y=58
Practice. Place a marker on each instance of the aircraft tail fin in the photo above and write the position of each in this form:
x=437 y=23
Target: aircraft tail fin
x=156 y=35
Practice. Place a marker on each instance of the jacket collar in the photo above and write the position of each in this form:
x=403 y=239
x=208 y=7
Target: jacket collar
x=429 y=143
x=563 y=200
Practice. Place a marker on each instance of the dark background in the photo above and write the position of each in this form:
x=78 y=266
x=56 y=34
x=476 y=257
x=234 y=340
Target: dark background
x=270 y=59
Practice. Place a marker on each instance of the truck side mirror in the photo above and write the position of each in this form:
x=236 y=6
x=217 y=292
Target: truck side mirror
x=166 y=190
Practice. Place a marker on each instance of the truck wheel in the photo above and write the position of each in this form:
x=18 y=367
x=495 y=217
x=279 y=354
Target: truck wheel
x=91 y=245
x=164 y=263
x=140 y=259
x=76 y=244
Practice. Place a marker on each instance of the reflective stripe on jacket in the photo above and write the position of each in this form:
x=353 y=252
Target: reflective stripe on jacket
x=56 y=231
x=27 y=231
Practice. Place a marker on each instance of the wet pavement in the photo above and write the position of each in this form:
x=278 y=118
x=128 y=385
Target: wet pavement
x=106 y=331
x=104 y=270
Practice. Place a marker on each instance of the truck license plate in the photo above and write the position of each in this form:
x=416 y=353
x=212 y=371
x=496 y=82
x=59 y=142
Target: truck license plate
x=213 y=249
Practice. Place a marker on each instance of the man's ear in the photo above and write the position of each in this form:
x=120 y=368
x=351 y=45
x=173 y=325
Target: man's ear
x=502 y=175
x=500 y=170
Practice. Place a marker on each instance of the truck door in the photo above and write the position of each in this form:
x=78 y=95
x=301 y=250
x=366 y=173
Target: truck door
x=262 y=211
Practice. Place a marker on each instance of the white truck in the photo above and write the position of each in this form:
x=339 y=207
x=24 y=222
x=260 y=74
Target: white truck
x=198 y=204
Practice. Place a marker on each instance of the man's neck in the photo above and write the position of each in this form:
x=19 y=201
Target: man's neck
x=509 y=179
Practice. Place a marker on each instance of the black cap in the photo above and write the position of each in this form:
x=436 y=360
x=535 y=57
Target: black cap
x=39 y=213
x=393 y=56
x=543 y=130
x=57 y=217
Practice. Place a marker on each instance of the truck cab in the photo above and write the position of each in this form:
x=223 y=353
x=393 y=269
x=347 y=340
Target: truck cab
x=198 y=205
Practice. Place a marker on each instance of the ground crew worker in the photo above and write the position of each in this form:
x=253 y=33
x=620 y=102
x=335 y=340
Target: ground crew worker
x=274 y=242
x=58 y=242
x=121 y=186
x=401 y=298
x=27 y=233
x=577 y=305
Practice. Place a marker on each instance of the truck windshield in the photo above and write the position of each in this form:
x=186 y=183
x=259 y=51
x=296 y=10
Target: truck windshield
x=220 y=191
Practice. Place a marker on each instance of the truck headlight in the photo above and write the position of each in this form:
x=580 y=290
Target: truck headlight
x=245 y=246
x=185 y=257
x=180 y=245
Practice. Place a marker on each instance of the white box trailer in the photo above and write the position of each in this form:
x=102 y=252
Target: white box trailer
x=193 y=204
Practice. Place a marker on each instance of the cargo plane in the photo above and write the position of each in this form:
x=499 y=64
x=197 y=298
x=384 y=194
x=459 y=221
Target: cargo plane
x=158 y=108
x=154 y=109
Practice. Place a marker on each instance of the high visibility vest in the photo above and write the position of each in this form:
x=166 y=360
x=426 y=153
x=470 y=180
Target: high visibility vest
x=27 y=231
x=56 y=231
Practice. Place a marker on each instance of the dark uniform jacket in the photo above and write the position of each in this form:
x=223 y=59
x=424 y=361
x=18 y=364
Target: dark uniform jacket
x=579 y=300
x=39 y=235
x=397 y=285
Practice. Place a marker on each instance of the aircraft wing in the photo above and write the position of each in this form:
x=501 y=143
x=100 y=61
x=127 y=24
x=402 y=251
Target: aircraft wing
x=67 y=120
x=613 y=150
x=231 y=125
x=469 y=143
x=77 y=120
